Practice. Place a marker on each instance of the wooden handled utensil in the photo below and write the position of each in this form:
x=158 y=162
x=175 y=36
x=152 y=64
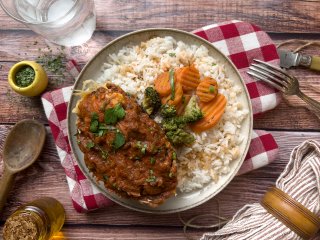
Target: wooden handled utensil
x=22 y=147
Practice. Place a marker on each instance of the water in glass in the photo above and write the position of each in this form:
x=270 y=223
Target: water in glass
x=65 y=22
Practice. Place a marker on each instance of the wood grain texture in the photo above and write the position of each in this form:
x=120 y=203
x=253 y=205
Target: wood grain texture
x=109 y=232
x=291 y=122
x=46 y=178
x=127 y=15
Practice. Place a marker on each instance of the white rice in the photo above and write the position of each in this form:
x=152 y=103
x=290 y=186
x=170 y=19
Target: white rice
x=135 y=67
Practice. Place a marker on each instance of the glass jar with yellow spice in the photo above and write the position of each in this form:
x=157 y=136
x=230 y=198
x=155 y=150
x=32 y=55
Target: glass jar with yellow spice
x=37 y=220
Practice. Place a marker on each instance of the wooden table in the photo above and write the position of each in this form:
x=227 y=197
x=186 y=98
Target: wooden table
x=290 y=123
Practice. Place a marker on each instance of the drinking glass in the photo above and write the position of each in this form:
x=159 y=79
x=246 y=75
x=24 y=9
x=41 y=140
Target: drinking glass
x=64 y=22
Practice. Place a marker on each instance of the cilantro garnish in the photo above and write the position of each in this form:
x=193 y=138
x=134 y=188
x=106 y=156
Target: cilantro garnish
x=174 y=155
x=152 y=177
x=172 y=54
x=105 y=177
x=119 y=111
x=152 y=160
x=90 y=144
x=119 y=140
x=94 y=126
x=113 y=115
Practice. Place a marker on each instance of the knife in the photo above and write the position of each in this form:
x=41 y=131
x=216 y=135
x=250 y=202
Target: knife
x=290 y=59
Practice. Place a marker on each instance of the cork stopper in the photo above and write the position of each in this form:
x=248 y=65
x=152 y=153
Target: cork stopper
x=21 y=227
x=291 y=213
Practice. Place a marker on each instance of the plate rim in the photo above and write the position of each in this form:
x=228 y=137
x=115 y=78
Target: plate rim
x=154 y=210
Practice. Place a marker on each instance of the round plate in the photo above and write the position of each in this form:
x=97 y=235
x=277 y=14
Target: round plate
x=182 y=201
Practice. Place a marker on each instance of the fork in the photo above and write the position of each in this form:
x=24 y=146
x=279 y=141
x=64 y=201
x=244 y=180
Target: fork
x=280 y=80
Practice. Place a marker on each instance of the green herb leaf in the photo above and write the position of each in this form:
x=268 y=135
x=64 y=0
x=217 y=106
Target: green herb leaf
x=211 y=89
x=90 y=144
x=119 y=111
x=110 y=117
x=171 y=76
x=172 y=54
x=105 y=177
x=152 y=160
x=151 y=177
x=119 y=140
x=101 y=133
x=174 y=155
x=94 y=116
x=94 y=126
x=113 y=115
x=170 y=174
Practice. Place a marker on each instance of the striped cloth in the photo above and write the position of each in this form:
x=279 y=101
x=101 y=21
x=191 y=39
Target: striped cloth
x=300 y=180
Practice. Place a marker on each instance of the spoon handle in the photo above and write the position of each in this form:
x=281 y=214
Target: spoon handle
x=5 y=187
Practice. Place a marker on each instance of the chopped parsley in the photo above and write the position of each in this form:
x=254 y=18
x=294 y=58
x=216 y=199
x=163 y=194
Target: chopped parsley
x=25 y=76
x=99 y=129
x=172 y=54
x=143 y=148
x=211 y=89
x=90 y=144
x=94 y=125
x=110 y=117
x=119 y=140
x=113 y=115
x=174 y=155
x=151 y=177
x=152 y=160
x=105 y=177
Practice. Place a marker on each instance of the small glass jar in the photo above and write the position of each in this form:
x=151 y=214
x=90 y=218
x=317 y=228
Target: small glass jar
x=37 y=220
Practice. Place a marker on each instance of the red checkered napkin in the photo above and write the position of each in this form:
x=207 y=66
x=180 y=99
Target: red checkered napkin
x=242 y=42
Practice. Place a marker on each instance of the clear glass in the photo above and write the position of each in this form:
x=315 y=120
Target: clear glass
x=64 y=22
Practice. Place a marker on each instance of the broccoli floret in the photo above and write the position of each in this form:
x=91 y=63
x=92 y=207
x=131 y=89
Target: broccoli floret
x=151 y=102
x=192 y=112
x=168 y=111
x=171 y=124
x=180 y=137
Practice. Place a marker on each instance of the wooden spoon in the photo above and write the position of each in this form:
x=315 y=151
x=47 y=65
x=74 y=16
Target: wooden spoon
x=21 y=148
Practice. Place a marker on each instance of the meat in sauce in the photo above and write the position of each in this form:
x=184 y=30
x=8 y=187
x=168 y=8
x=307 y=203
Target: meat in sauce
x=124 y=147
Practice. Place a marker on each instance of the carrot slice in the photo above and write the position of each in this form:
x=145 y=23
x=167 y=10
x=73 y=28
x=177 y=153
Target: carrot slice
x=178 y=92
x=162 y=84
x=182 y=105
x=212 y=111
x=189 y=77
x=207 y=90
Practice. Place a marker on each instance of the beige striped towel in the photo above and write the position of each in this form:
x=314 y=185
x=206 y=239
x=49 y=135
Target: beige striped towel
x=300 y=180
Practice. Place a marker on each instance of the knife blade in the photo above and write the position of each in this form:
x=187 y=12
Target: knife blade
x=291 y=59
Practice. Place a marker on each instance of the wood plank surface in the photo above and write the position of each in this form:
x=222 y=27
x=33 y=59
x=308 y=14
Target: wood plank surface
x=291 y=122
x=110 y=232
x=273 y=16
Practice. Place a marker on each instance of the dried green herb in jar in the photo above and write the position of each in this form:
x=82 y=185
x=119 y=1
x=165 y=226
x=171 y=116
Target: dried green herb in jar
x=25 y=76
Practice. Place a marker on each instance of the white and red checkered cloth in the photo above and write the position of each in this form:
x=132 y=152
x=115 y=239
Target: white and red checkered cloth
x=241 y=42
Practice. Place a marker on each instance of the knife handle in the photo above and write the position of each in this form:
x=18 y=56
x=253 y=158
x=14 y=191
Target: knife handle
x=315 y=63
